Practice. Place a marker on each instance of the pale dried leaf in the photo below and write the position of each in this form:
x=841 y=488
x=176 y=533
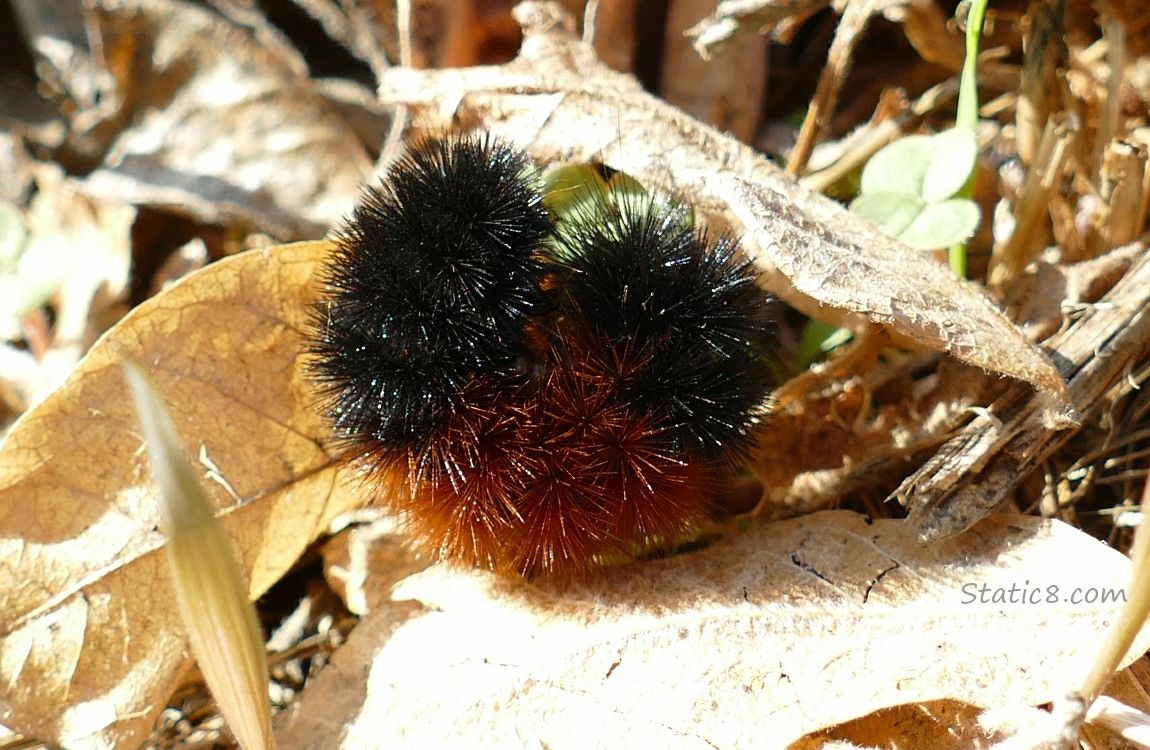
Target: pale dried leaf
x=91 y=239
x=892 y=285
x=16 y=163
x=179 y=107
x=1134 y=725
x=732 y=17
x=91 y=641
x=753 y=642
x=559 y=102
x=1128 y=689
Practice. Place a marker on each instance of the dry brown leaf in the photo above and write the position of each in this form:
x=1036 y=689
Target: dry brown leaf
x=177 y=106
x=907 y=291
x=752 y=642
x=938 y=725
x=852 y=439
x=90 y=640
x=558 y=101
x=1038 y=298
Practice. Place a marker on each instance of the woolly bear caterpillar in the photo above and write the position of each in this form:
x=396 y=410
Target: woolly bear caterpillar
x=536 y=384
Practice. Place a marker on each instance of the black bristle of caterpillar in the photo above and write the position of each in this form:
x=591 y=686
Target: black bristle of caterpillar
x=533 y=394
x=433 y=277
x=681 y=308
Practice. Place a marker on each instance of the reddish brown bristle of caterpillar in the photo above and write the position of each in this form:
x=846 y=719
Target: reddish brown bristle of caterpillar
x=546 y=475
x=553 y=392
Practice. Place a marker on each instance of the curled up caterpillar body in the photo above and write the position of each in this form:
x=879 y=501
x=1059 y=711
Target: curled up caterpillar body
x=536 y=390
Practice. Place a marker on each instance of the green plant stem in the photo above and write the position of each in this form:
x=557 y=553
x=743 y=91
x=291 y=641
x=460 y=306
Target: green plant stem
x=967 y=116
